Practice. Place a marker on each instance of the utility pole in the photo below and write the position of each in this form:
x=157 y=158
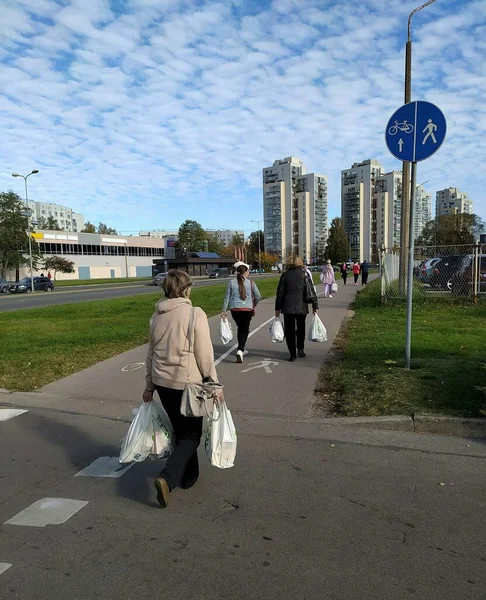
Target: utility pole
x=406 y=191
x=259 y=244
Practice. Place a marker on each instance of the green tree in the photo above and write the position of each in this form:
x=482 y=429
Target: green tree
x=253 y=243
x=49 y=224
x=214 y=243
x=267 y=260
x=191 y=236
x=452 y=230
x=104 y=229
x=59 y=264
x=88 y=228
x=14 y=237
x=337 y=247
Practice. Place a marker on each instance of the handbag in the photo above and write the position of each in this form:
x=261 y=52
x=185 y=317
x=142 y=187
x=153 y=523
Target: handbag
x=309 y=291
x=197 y=398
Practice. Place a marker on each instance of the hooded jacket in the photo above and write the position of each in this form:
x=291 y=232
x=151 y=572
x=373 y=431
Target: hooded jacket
x=170 y=363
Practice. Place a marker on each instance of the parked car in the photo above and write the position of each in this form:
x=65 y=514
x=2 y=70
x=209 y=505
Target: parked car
x=441 y=276
x=462 y=279
x=24 y=286
x=4 y=287
x=218 y=273
x=427 y=268
x=257 y=271
x=159 y=279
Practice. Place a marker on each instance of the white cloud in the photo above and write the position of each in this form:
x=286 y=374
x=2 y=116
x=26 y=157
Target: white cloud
x=181 y=104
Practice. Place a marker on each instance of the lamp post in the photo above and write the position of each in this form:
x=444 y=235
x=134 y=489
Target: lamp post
x=259 y=244
x=25 y=177
x=405 y=216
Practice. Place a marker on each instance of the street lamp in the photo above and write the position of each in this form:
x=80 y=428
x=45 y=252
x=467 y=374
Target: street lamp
x=33 y=172
x=259 y=245
x=406 y=208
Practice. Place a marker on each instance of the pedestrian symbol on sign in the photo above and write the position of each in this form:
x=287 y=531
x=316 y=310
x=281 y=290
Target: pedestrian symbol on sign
x=430 y=129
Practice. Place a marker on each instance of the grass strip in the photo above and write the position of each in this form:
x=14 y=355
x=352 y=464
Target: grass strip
x=366 y=375
x=76 y=282
x=42 y=345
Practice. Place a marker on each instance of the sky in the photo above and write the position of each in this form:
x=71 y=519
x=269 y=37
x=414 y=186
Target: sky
x=144 y=113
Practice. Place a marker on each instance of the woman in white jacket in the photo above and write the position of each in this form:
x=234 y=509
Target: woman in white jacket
x=172 y=361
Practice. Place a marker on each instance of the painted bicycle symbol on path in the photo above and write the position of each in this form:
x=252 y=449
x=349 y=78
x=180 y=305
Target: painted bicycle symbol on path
x=400 y=126
x=133 y=367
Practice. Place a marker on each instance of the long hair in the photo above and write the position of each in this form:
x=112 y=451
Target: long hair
x=240 y=277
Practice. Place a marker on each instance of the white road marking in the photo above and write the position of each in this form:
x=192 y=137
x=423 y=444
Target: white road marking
x=133 y=367
x=262 y=364
x=4 y=567
x=48 y=511
x=104 y=466
x=10 y=413
x=235 y=347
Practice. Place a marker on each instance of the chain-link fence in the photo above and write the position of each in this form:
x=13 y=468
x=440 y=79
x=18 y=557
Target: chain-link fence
x=439 y=271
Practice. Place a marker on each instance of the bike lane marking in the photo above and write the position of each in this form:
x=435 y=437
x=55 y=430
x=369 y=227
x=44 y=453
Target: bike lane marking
x=48 y=511
x=4 y=567
x=9 y=413
x=105 y=466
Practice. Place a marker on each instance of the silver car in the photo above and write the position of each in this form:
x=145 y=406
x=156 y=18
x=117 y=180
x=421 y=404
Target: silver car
x=159 y=279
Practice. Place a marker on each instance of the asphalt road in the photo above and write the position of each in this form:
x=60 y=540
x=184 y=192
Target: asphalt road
x=311 y=509
x=69 y=295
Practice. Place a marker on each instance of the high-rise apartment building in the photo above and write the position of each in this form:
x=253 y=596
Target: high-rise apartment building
x=452 y=202
x=358 y=207
x=67 y=219
x=423 y=210
x=294 y=209
x=387 y=200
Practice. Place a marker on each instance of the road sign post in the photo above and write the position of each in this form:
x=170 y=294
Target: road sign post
x=414 y=133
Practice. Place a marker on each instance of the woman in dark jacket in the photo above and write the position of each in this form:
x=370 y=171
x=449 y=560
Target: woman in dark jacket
x=291 y=303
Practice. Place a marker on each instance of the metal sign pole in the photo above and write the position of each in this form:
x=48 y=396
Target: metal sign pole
x=411 y=250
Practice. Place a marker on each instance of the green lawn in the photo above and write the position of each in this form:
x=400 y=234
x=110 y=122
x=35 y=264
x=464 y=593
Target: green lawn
x=75 y=282
x=366 y=374
x=42 y=345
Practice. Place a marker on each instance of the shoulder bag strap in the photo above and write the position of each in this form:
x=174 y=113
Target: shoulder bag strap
x=190 y=336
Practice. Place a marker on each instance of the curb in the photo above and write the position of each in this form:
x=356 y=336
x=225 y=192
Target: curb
x=436 y=424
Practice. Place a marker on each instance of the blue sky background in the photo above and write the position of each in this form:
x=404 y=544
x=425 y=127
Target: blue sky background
x=142 y=113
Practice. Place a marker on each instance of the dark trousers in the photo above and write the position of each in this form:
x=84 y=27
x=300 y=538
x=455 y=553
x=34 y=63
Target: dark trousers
x=364 y=278
x=182 y=466
x=294 y=332
x=356 y=277
x=344 y=275
x=242 y=318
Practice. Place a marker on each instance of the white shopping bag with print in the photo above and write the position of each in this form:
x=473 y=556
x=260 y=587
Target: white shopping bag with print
x=317 y=331
x=163 y=434
x=225 y=331
x=220 y=442
x=277 y=331
x=136 y=445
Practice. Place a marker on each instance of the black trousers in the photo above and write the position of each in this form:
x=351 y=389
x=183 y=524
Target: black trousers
x=242 y=318
x=356 y=277
x=182 y=466
x=364 y=278
x=294 y=332
x=344 y=275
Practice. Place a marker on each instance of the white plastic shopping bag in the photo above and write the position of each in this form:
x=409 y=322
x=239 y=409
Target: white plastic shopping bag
x=163 y=434
x=334 y=287
x=136 y=445
x=317 y=331
x=277 y=331
x=220 y=442
x=225 y=331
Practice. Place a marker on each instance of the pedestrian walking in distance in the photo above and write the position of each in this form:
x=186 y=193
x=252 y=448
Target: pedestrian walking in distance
x=172 y=362
x=242 y=295
x=291 y=303
x=365 y=271
x=327 y=278
x=356 y=270
x=344 y=272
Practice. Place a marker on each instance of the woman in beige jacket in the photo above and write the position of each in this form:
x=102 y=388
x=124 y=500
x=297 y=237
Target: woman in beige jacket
x=171 y=363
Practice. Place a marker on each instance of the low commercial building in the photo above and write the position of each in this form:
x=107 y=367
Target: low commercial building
x=97 y=255
x=196 y=264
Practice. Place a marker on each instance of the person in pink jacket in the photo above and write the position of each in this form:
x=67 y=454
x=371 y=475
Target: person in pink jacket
x=327 y=278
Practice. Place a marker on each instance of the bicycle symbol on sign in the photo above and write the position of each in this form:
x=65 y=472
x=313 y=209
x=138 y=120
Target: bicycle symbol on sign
x=406 y=127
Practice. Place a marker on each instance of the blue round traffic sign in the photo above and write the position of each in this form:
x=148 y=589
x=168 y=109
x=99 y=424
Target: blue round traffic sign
x=415 y=131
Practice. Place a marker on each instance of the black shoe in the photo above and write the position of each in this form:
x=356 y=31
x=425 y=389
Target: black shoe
x=292 y=359
x=302 y=354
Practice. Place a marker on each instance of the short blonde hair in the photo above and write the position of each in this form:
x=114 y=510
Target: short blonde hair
x=176 y=284
x=295 y=261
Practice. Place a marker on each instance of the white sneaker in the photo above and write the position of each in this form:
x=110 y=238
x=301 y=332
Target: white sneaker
x=239 y=356
x=330 y=296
